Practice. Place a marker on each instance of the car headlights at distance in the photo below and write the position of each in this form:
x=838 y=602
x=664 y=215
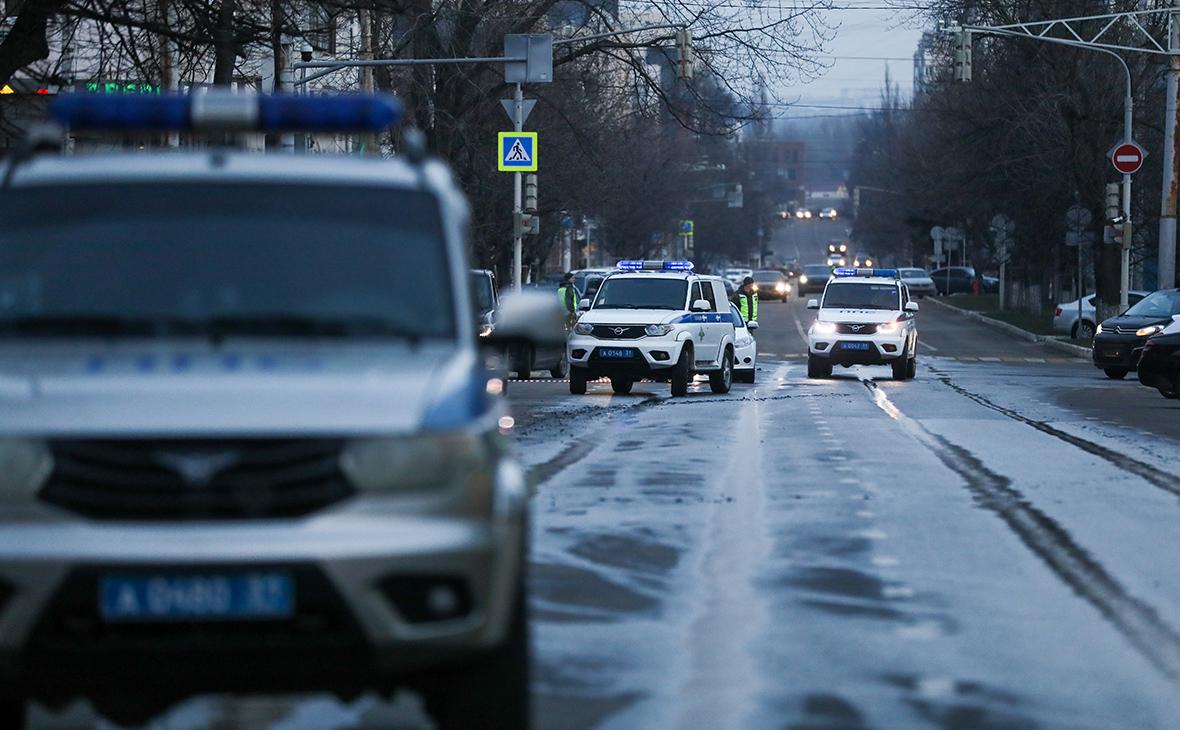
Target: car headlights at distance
x=1148 y=331
x=416 y=462
x=24 y=466
x=582 y=328
x=824 y=328
x=657 y=330
x=803 y=278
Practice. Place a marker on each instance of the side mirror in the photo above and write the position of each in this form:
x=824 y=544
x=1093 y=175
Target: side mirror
x=583 y=305
x=752 y=325
x=702 y=305
x=911 y=306
x=813 y=304
x=528 y=318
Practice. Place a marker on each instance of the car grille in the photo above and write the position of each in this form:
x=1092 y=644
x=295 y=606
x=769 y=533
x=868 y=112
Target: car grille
x=618 y=332
x=195 y=479
x=856 y=329
x=1120 y=330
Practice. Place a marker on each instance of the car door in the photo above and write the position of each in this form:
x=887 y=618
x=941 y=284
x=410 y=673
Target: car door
x=720 y=323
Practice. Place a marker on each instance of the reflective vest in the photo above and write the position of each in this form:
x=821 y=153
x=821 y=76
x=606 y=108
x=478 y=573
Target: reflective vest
x=747 y=304
x=568 y=296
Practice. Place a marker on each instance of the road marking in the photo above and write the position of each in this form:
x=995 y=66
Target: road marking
x=928 y=346
x=1034 y=359
x=989 y=359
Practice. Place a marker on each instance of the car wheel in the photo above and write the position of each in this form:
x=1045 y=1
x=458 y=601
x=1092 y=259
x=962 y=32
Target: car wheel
x=561 y=369
x=523 y=364
x=1116 y=373
x=622 y=386
x=1083 y=331
x=911 y=368
x=900 y=368
x=680 y=373
x=817 y=368
x=721 y=381
x=577 y=381
x=491 y=693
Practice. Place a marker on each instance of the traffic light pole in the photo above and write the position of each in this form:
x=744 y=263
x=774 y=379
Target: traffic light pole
x=517 y=194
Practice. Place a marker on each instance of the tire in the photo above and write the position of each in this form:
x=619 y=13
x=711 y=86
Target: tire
x=1116 y=373
x=577 y=381
x=911 y=368
x=744 y=376
x=1169 y=394
x=523 y=364
x=1083 y=331
x=721 y=381
x=621 y=386
x=900 y=367
x=560 y=370
x=680 y=373
x=491 y=692
x=818 y=369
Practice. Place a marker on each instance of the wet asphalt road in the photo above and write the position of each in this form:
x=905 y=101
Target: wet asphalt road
x=991 y=545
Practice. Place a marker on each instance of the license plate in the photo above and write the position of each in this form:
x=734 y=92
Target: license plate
x=854 y=345
x=615 y=353
x=1112 y=353
x=197 y=596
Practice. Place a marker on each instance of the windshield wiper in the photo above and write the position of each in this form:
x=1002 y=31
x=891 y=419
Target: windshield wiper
x=95 y=325
x=289 y=325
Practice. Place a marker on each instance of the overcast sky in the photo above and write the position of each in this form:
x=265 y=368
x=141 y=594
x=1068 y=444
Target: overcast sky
x=852 y=81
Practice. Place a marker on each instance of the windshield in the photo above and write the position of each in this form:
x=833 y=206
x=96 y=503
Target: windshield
x=816 y=271
x=230 y=259
x=481 y=288
x=914 y=274
x=770 y=276
x=861 y=295
x=626 y=292
x=1157 y=304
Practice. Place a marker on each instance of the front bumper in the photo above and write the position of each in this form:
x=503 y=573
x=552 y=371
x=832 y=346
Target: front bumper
x=649 y=357
x=349 y=630
x=1117 y=351
x=858 y=350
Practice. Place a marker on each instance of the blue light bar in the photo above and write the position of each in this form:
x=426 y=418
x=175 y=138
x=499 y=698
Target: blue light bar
x=678 y=266
x=643 y=265
x=221 y=110
x=885 y=273
x=630 y=265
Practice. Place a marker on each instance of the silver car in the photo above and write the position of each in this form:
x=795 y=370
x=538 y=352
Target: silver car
x=918 y=281
x=1066 y=321
x=247 y=439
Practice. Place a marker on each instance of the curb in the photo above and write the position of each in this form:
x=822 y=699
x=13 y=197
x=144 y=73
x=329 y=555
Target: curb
x=1011 y=329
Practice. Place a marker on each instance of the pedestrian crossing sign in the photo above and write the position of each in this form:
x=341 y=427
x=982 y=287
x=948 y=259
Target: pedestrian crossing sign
x=518 y=151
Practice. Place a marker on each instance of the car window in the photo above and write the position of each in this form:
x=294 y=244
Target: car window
x=1131 y=299
x=631 y=292
x=861 y=295
x=737 y=316
x=483 y=294
x=707 y=295
x=1157 y=304
x=913 y=273
x=231 y=258
x=1090 y=300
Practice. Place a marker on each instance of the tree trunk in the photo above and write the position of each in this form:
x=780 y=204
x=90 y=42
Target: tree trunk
x=224 y=45
x=27 y=41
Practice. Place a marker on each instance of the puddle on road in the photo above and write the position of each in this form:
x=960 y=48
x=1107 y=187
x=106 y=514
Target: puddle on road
x=571 y=593
x=629 y=553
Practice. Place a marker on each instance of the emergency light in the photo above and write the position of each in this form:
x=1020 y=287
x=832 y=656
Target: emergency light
x=886 y=273
x=643 y=265
x=223 y=110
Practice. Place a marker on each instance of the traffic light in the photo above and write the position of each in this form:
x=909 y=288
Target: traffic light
x=1114 y=206
x=526 y=224
x=684 y=54
x=530 y=193
x=963 y=56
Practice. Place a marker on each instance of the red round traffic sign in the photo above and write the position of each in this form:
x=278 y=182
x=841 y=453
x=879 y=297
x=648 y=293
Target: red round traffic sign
x=1127 y=158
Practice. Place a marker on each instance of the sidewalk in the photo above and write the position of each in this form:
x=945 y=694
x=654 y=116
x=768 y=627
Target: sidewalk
x=1011 y=329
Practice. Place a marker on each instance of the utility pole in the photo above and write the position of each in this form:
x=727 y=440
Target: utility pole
x=1166 y=272
x=517 y=193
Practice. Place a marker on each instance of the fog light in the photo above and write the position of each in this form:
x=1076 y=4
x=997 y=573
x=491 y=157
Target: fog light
x=746 y=361
x=660 y=355
x=421 y=599
x=821 y=345
x=890 y=348
x=578 y=354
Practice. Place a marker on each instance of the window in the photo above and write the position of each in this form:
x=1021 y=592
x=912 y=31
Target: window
x=860 y=295
x=737 y=316
x=632 y=292
x=707 y=295
x=1157 y=304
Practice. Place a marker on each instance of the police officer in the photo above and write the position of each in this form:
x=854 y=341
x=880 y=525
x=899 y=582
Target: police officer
x=568 y=294
x=747 y=300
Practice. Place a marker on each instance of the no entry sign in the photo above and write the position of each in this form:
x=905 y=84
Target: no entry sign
x=1127 y=158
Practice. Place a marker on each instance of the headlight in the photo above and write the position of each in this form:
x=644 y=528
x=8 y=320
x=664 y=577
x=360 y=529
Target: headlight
x=1148 y=331
x=24 y=467
x=780 y=286
x=584 y=328
x=1098 y=330
x=843 y=262
x=485 y=330
x=843 y=247
x=657 y=330
x=888 y=328
x=415 y=462
x=824 y=328
x=803 y=278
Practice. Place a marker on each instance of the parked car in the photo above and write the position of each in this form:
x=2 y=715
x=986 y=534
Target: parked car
x=813 y=279
x=918 y=281
x=1159 y=367
x=772 y=285
x=1119 y=341
x=1065 y=316
x=953 y=279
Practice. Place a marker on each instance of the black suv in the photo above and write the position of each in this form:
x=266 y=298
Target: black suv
x=1160 y=365
x=953 y=280
x=1118 y=342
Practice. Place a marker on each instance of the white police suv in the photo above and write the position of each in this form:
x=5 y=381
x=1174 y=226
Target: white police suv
x=247 y=438
x=865 y=317
x=655 y=320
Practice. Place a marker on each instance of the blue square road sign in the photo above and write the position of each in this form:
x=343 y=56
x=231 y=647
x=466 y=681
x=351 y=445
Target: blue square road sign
x=518 y=152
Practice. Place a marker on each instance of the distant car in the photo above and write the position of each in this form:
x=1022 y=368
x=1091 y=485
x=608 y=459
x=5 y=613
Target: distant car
x=813 y=279
x=836 y=259
x=1159 y=367
x=772 y=285
x=918 y=281
x=745 y=347
x=953 y=280
x=1065 y=316
x=737 y=275
x=730 y=288
x=588 y=280
x=1119 y=341
x=485 y=299
x=802 y=214
x=828 y=214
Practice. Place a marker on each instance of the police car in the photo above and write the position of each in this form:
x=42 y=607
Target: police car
x=247 y=436
x=865 y=317
x=657 y=320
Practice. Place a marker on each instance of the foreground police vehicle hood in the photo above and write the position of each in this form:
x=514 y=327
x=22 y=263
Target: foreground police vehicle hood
x=246 y=428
